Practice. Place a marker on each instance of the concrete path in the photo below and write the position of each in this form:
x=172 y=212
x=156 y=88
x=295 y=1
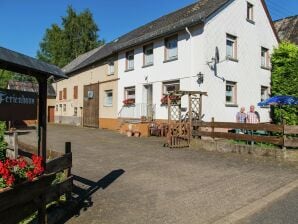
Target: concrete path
x=134 y=180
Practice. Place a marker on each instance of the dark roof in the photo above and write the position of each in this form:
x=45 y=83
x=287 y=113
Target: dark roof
x=287 y=29
x=29 y=87
x=20 y=63
x=190 y=15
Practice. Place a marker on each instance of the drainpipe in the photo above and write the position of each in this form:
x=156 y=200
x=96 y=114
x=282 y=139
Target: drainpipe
x=191 y=55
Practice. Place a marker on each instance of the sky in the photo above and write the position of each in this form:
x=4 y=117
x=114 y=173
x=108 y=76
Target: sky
x=23 y=23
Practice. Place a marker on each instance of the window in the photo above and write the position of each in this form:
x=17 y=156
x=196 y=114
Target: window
x=130 y=92
x=231 y=93
x=264 y=93
x=57 y=107
x=64 y=107
x=265 y=59
x=60 y=95
x=64 y=93
x=231 y=47
x=108 y=100
x=171 y=86
x=75 y=111
x=171 y=48
x=250 y=12
x=75 y=92
x=148 y=54
x=111 y=68
x=130 y=60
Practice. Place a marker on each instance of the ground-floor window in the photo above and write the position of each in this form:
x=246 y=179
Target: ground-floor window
x=64 y=107
x=170 y=86
x=129 y=95
x=108 y=98
x=231 y=93
x=264 y=93
x=57 y=107
x=75 y=111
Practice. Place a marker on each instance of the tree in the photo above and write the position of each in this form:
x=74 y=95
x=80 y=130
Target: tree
x=285 y=80
x=5 y=76
x=77 y=35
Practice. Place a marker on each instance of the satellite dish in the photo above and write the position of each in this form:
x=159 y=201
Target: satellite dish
x=216 y=55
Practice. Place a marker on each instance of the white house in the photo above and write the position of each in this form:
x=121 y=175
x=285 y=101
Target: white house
x=170 y=52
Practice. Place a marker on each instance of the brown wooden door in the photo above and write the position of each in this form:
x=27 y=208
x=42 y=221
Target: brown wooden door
x=51 y=114
x=91 y=105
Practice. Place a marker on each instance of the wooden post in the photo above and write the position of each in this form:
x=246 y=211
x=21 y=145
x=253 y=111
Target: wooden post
x=42 y=137
x=283 y=134
x=68 y=172
x=15 y=145
x=200 y=106
x=212 y=120
x=190 y=117
x=169 y=109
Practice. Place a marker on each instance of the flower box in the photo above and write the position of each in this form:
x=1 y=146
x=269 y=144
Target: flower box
x=129 y=102
x=174 y=99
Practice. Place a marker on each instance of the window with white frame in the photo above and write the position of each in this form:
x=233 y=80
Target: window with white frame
x=250 y=12
x=231 y=44
x=265 y=59
x=64 y=107
x=57 y=107
x=171 y=48
x=264 y=93
x=111 y=68
x=148 y=54
x=108 y=99
x=171 y=86
x=130 y=60
x=231 y=93
x=130 y=92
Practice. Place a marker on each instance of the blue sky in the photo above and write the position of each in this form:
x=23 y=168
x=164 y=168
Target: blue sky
x=23 y=23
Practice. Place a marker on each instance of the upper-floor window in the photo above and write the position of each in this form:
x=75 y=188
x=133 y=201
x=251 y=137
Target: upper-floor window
x=231 y=93
x=108 y=99
x=250 y=12
x=111 y=68
x=148 y=54
x=75 y=92
x=231 y=45
x=171 y=86
x=64 y=93
x=264 y=93
x=171 y=48
x=265 y=58
x=130 y=60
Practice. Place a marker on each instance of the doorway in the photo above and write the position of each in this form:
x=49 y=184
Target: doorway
x=51 y=114
x=148 y=101
x=91 y=106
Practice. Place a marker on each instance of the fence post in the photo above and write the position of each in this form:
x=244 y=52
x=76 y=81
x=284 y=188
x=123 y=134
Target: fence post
x=212 y=127
x=15 y=145
x=68 y=171
x=283 y=134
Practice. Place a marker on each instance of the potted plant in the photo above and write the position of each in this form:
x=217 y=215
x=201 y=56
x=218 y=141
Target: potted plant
x=3 y=144
x=129 y=102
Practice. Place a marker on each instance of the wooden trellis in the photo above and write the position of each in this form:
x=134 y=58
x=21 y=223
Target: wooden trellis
x=180 y=125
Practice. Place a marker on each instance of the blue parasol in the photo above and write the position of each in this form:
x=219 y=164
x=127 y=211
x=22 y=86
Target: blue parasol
x=279 y=101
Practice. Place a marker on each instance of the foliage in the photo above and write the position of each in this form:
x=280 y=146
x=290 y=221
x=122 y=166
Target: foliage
x=3 y=144
x=77 y=35
x=285 y=80
x=5 y=76
x=14 y=171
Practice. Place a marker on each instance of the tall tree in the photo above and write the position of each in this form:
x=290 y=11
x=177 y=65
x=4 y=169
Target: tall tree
x=77 y=35
x=5 y=76
x=285 y=80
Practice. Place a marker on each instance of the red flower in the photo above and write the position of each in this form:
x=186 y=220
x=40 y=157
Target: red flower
x=30 y=175
x=22 y=163
x=10 y=180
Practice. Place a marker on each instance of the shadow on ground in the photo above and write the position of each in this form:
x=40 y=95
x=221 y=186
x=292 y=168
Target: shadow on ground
x=82 y=197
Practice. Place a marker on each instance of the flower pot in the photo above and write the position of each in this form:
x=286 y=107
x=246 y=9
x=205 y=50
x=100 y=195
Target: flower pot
x=137 y=134
x=2 y=155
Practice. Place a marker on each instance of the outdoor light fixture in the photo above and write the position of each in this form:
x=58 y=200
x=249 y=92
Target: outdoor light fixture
x=200 y=78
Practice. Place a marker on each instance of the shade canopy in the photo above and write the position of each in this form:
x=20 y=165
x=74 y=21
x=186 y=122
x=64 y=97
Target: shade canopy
x=20 y=63
x=279 y=100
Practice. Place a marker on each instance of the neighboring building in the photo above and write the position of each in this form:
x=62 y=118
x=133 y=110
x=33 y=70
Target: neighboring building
x=170 y=52
x=287 y=29
x=89 y=96
x=33 y=87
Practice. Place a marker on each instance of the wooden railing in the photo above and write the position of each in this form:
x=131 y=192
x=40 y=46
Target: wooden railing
x=282 y=135
x=23 y=200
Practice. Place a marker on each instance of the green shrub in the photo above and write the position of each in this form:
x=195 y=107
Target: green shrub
x=2 y=142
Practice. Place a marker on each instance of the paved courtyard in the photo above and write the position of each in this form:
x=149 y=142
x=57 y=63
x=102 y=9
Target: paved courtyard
x=137 y=180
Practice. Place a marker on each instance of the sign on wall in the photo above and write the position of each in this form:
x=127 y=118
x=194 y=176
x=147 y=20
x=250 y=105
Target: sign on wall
x=17 y=105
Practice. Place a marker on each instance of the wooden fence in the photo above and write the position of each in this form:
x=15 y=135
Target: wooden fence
x=282 y=135
x=23 y=200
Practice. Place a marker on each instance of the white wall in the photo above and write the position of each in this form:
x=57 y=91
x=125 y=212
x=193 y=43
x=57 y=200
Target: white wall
x=194 y=53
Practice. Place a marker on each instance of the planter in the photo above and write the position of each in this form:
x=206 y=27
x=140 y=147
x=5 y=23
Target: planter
x=129 y=133
x=137 y=134
x=2 y=154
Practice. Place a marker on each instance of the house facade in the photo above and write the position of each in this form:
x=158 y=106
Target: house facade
x=240 y=32
x=89 y=96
